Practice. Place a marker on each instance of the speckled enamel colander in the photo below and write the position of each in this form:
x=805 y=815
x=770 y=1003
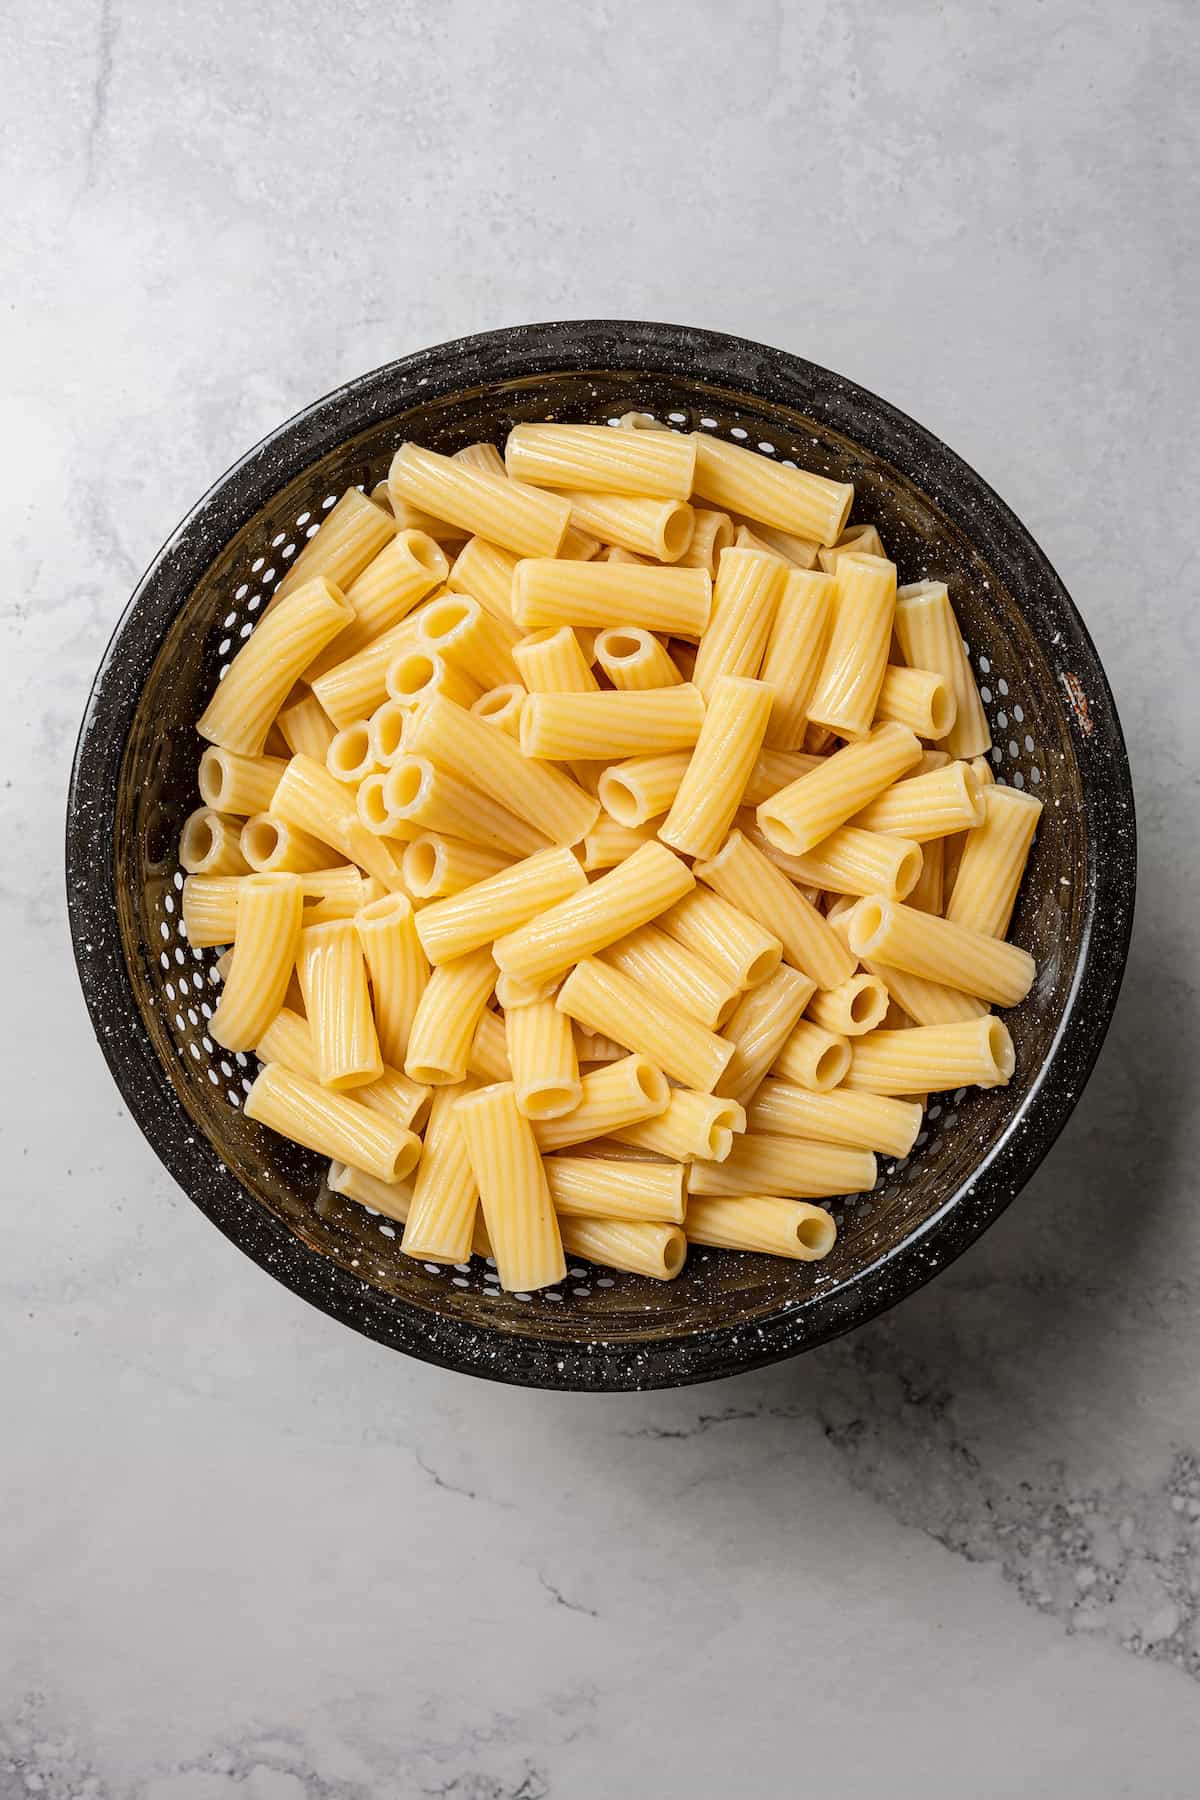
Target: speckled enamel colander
x=151 y=995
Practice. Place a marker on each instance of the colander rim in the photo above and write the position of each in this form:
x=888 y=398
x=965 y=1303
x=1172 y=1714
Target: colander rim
x=508 y=354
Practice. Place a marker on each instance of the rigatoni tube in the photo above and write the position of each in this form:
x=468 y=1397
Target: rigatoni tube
x=541 y=1053
x=609 y=725
x=733 y=942
x=333 y=980
x=759 y=1029
x=448 y=1012
x=745 y=596
x=606 y=1188
x=927 y=806
x=349 y=537
x=466 y=747
x=391 y=585
x=551 y=593
x=420 y=794
x=266 y=668
x=633 y=659
x=525 y=520
x=807 y=810
x=940 y=951
x=628 y=896
x=498 y=905
x=930 y=639
x=762 y=1222
x=512 y=1189
x=865 y=1121
x=795 y=649
x=441 y=1218
x=604 y=1000
x=332 y=1124
x=658 y=528
x=807 y=505
x=231 y=783
x=595 y=456
x=852 y=670
x=642 y=787
x=743 y=876
x=726 y=751
x=693 y=1126
x=399 y=972
x=926 y=1059
x=993 y=861
x=766 y=1163
x=266 y=935
x=624 y=1092
x=670 y=971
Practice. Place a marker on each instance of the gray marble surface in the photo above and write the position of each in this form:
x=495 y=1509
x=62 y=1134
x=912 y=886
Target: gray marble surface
x=245 y=1553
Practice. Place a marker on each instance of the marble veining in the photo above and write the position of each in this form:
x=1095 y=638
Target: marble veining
x=248 y=1555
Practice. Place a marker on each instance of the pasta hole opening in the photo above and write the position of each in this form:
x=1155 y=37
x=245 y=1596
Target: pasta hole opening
x=908 y=871
x=727 y=1009
x=674 y=1251
x=426 y=551
x=405 y=784
x=677 y=531
x=551 y=1102
x=212 y=779
x=862 y=1004
x=866 y=925
x=441 y=620
x=763 y=965
x=1000 y=1049
x=262 y=840
x=373 y=804
x=816 y=1235
x=390 y=906
x=973 y=790
x=496 y=702
x=620 y=800
x=623 y=646
x=350 y=751
x=831 y=1065
x=197 y=842
x=410 y=676
x=433 y=1075
x=422 y=861
x=943 y=709
x=720 y=1142
x=653 y=1084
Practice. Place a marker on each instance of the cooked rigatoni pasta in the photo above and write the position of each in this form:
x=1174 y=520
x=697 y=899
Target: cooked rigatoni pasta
x=348 y=538
x=551 y=662
x=604 y=1000
x=715 y=780
x=242 y=785
x=927 y=1058
x=265 y=669
x=337 y=1002
x=448 y=1012
x=550 y=593
x=993 y=861
x=760 y=1027
x=398 y=969
x=930 y=639
x=608 y=725
x=743 y=876
x=517 y=1208
x=265 y=939
x=652 y=880
x=526 y=520
x=616 y=1188
x=594 y=457
x=434 y=866
x=608 y=681
x=541 y=1053
x=210 y=844
x=498 y=905
x=763 y=1222
x=769 y=1163
x=861 y=1120
x=745 y=595
x=808 y=809
x=421 y=795
x=809 y=506
x=633 y=659
x=332 y=1124
x=463 y=745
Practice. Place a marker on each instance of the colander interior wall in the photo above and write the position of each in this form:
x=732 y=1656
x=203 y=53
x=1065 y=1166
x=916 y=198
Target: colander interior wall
x=151 y=994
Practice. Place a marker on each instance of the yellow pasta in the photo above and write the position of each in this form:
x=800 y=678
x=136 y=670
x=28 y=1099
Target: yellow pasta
x=848 y=687
x=634 y=659
x=760 y=1027
x=350 y=536
x=620 y=1094
x=488 y=1059
x=806 y=505
x=930 y=639
x=856 y=540
x=265 y=669
x=445 y=1201
x=604 y=1000
x=801 y=552
x=265 y=939
x=610 y=725
x=927 y=806
x=210 y=844
x=416 y=673
x=399 y=971
x=693 y=1125
x=310 y=799
x=596 y=916
x=272 y=847
x=918 y=698
x=547 y=594
x=770 y=1163
x=609 y=843
x=930 y=1058
x=498 y=905
x=668 y=971
x=726 y=751
x=609 y=1188
x=797 y=817
x=332 y=1124
x=288 y=1039
x=306 y=728
x=857 y=1006
x=390 y=1198
x=354 y=688
x=926 y=893
x=501 y=706
x=419 y=793
x=794 y=653
x=993 y=861
x=513 y=1190
x=350 y=757
x=241 y=785
x=529 y=521
x=447 y=1015
x=333 y=980
x=941 y=951
x=654 y=528
x=405 y=571
x=657 y=1251
x=762 y=1222
x=466 y=747
x=596 y=457
x=745 y=597
x=712 y=532
x=386 y=729
x=855 y=1118
x=743 y=876
x=397 y=1097
x=733 y=942
x=541 y=1053
x=551 y=662
x=434 y=866
x=848 y=861
x=813 y=1058
x=470 y=639
x=486 y=572
x=642 y=787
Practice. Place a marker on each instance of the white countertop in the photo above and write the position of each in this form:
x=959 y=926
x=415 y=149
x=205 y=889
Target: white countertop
x=247 y=1555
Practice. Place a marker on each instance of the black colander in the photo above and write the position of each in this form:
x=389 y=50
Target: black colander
x=150 y=994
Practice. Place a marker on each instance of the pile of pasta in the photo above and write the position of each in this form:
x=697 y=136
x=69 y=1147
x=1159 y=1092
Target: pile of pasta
x=608 y=850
